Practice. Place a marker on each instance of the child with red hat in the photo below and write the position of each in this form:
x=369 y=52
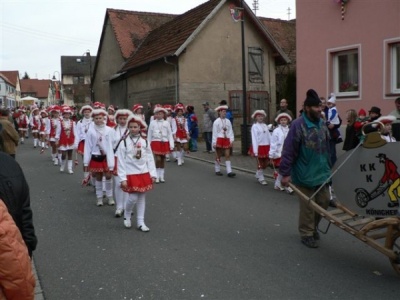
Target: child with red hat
x=160 y=139
x=110 y=117
x=120 y=135
x=222 y=140
x=136 y=172
x=82 y=127
x=180 y=132
x=137 y=110
x=386 y=132
x=35 y=123
x=44 y=124
x=275 y=153
x=98 y=155
x=51 y=132
x=23 y=123
x=260 y=144
x=65 y=139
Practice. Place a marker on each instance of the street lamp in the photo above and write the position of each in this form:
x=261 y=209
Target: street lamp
x=57 y=91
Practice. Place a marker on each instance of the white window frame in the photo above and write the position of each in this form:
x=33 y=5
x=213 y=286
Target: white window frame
x=394 y=72
x=335 y=69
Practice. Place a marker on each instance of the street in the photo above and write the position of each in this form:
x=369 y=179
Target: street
x=210 y=237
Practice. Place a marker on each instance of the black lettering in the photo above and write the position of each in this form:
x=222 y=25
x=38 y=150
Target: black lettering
x=362 y=168
x=368 y=178
x=372 y=167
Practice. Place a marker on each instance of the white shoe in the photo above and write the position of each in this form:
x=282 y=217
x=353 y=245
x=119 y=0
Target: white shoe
x=99 y=202
x=289 y=190
x=143 y=228
x=279 y=188
x=183 y=161
x=167 y=159
x=162 y=180
x=56 y=161
x=118 y=213
x=62 y=169
x=127 y=223
x=111 y=201
x=157 y=180
x=263 y=182
x=70 y=171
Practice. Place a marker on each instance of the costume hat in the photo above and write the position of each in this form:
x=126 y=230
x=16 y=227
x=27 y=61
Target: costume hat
x=258 y=112
x=332 y=98
x=85 y=107
x=221 y=107
x=312 y=98
x=122 y=112
x=283 y=115
x=136 y=107
x=135 y=119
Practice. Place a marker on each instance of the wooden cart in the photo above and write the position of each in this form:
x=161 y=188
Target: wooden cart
x=381 y=234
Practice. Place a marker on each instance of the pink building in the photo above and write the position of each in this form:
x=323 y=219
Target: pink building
x=351 y=48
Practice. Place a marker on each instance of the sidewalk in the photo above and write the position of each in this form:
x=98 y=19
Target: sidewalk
x=244 y=163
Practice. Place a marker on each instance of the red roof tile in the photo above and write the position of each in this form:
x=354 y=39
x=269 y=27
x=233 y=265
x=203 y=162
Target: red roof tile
x=131 y=27
x=40 y=87
x=284 y=32
x=168 y=38
x=12 y=76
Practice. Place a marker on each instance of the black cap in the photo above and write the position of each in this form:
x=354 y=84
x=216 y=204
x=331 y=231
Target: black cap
x=312 y=98
x=375 y=109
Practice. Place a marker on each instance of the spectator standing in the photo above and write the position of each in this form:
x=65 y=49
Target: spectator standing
x=208 y=120
x=14 y=191
x=283 y=108
x=306 y=162
x=351 y=140
x=396 y=123
x=193 y=128
x=149 y=113
x=374 y=114
x=9 y=134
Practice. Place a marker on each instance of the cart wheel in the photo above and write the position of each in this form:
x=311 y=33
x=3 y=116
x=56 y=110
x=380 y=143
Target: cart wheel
x=394 y=244
x=362 y=198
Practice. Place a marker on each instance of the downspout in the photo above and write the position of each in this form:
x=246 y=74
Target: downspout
x=176 y=78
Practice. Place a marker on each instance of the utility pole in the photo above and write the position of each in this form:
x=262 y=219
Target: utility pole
x=288 y=13
x=255 y=6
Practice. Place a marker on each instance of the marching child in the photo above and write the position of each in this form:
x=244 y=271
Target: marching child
x=65 y=139
x=23 y=123
x=180 y=132
x=111 y=118
x=260 y=140
x=169 y=118
x=222 y=140
x=98 y=155
x=137 y=110
x=136 y=172
x=51 y=132
x=160 y=139
x=82 y=127
x=35 y=123
x=44 y=124
x=120 y=135
x=277 y=139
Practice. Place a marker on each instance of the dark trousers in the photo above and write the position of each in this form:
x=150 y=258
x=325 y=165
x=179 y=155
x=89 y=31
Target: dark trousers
x=208 y=138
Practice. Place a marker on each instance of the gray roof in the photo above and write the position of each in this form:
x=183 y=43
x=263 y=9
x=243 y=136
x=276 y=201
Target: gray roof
x=77 y=65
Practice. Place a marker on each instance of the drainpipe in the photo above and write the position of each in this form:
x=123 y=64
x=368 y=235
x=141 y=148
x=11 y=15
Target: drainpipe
x=176 y=78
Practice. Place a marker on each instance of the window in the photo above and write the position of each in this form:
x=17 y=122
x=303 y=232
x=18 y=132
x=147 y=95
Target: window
x=345 y=73
x=78 y=80
x=256 y=65
x=395 y=68
x=255 y=100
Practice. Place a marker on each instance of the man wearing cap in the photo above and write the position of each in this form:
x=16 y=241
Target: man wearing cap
x=208 y=120
x=396 y=123
x=306 y=163
x=374 y=114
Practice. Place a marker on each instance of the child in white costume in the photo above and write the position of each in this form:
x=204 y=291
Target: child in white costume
x=23 y=123
x=136 y=172
x=277 y=139
x=159 y=137
x=120 y=135
x=65 y=139
x=386 y=132
x=169 y=107
x=99 y=155
x=54 y=124
x=82 y=127
x=260 y=141
x=222 y=140
x=180 y=132
x=44 y=124
x=34 y=122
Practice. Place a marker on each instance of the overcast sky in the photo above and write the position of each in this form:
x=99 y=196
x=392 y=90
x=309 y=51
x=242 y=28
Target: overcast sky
x=34 y=34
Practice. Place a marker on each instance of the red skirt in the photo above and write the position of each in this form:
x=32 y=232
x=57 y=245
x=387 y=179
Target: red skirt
x=276 y=162
x=224 y=143
x=81 y=147
x=98 y=166
x=160 y=148
x=138 y=183
x=263 y=151
x=181 y=134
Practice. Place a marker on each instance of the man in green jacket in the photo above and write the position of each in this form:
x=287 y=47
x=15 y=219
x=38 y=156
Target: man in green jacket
x=306 y=163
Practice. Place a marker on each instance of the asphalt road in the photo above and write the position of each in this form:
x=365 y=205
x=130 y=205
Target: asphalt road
x=211 y=238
